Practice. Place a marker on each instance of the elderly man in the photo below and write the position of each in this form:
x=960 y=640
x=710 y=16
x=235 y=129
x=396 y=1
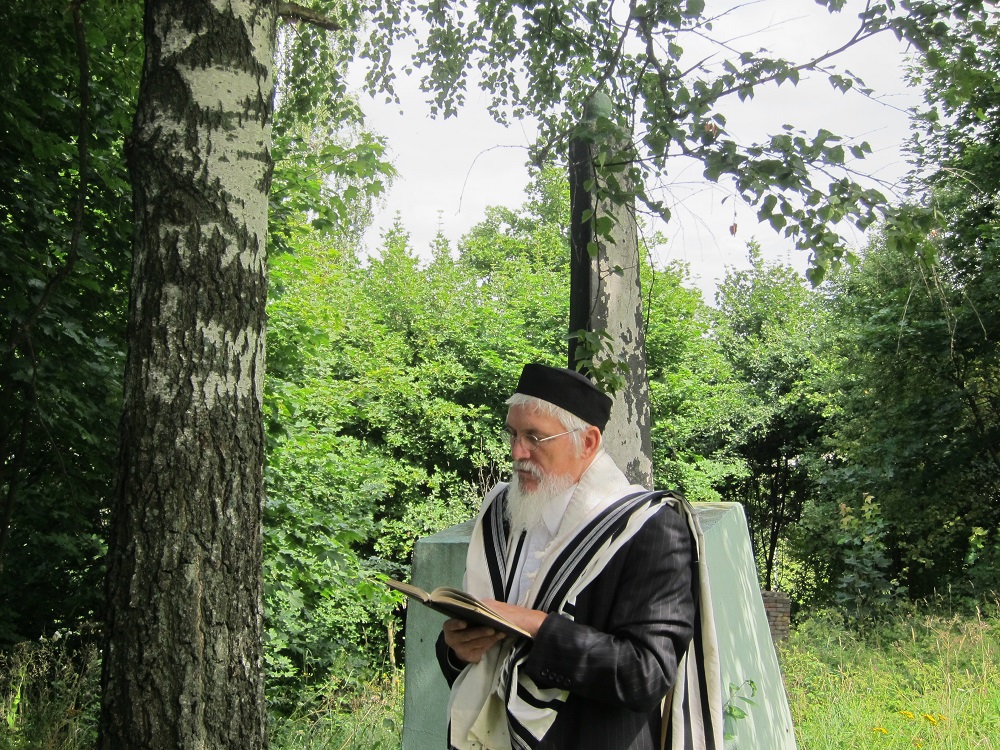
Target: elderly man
x=600 y=572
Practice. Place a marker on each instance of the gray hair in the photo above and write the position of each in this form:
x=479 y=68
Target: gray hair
x=568 y=420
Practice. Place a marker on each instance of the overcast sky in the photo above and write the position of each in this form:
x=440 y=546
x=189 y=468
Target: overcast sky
x=450 y=170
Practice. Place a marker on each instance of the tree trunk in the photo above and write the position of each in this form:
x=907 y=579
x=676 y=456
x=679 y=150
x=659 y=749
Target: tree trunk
x=183 y=662
x=605 y=299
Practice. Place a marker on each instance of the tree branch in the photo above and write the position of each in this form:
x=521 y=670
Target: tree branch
x=296 y=12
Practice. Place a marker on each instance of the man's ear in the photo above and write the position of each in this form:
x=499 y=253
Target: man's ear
x=591 y=441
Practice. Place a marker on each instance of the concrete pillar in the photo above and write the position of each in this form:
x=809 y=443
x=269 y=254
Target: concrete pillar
x=438 y=560
x=746 y=651
x=745 y=647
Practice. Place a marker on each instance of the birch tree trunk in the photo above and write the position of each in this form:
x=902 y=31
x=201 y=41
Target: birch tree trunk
x=183 y=664
x=605 y=295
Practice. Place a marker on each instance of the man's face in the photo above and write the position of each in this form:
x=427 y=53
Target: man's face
x=553 y=458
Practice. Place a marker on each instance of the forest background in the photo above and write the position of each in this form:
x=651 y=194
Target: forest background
x=857 y=421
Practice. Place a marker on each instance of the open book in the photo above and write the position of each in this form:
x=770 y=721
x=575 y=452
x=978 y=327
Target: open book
x=458 y=604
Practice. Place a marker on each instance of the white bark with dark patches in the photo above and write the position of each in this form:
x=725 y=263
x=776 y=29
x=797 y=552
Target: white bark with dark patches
x=618 y=310
x=183 y=664
x=602 y=299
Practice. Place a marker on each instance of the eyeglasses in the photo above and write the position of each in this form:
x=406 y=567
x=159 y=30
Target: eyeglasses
x=529 y=441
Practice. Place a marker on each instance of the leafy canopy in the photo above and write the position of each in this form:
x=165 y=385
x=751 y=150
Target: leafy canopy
x=661 y=75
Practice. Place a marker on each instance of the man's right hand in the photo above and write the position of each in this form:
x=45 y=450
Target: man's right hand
x=470 y=642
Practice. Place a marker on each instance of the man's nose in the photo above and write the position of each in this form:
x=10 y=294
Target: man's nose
x=517 y=450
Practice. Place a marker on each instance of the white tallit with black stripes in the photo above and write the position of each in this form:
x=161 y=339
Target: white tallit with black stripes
x=494 y=705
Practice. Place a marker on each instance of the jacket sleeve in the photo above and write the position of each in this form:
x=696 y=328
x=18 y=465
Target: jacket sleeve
x=633 y=623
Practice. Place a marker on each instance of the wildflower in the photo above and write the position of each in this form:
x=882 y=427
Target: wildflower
x=883 y=730
x=930 y=718
x=906 y=714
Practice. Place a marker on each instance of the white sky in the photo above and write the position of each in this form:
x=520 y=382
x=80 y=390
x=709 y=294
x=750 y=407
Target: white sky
x=450 y=170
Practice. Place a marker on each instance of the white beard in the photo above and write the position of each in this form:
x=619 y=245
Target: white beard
x=525 y=507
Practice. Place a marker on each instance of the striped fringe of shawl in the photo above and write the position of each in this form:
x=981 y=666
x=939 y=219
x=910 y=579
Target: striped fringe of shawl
x=692 y=711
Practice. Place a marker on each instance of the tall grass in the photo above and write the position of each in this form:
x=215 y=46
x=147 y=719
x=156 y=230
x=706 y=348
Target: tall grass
x=48 y=695
x=346 y=712
x=920 y=680
x=924 y=681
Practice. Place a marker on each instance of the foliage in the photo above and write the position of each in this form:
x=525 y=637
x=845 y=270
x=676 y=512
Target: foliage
x=329 y=169
x=863 y=589
x=769 y=330
x=691 y=388
x=67 y=78
x=910 y=447
x=348 y=710
x=318 y=485
x=955 y=131
x=384 y=399
x=671 y=83
x=912 y=421
x=923 y=678
x=324 y=182
x=732 y=710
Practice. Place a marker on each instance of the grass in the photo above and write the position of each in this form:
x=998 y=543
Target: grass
x=48 y=696
x=343 y=713
x=925 y=681
x=921 y=680
x=50 y=692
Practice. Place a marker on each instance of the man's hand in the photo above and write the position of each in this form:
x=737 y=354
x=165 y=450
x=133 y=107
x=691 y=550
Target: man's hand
x=529 y=620
x=470 y=642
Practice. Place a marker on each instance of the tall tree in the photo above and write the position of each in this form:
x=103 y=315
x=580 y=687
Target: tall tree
x=768 y=328
x=183 y=665
x=916 y=427
x=606 y=311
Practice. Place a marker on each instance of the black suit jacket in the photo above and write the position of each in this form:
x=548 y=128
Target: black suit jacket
x=618 y=657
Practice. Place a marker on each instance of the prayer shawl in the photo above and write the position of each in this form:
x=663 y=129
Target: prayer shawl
x=692 y=710
x=495 y=706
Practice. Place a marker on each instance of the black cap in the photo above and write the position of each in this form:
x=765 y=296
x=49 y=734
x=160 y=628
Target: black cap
x=567 y=389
